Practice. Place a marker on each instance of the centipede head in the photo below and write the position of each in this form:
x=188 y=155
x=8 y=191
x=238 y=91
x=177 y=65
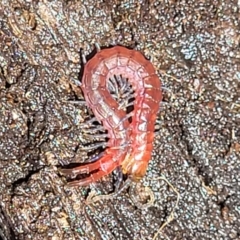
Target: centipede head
x=136 y=170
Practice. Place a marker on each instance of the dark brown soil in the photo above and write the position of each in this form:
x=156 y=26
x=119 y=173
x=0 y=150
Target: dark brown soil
x=195 y=47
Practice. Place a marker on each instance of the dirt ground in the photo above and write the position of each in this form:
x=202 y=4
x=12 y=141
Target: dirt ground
x=195 y=47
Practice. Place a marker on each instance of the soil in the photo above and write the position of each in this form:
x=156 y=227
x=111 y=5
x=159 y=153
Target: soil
x=191 y=189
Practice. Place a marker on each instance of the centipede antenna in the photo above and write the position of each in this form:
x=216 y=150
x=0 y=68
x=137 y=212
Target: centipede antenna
x=98 y=47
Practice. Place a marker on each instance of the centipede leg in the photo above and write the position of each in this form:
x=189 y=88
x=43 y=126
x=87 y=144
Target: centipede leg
x=128 y=116
x=97 y=47
x=164 y=103
x=95 y=129
x=125 y=105
x=111 y=86
x=90 y=123
x=80 y=102
x=123 y=86
x=128 y=95
x=97 y=136
x=92 y=120
x=166 y=89
x=84 y=60
x=128 y=104
x=158 y=121
x=89 y=131
x=95 y=146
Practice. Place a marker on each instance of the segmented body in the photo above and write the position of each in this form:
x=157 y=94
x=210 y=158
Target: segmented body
x=130 y=144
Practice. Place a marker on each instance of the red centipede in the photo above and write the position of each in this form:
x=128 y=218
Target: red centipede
x=130 y=144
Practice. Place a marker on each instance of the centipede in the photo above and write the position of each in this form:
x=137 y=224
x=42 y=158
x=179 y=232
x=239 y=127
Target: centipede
x=130 y=143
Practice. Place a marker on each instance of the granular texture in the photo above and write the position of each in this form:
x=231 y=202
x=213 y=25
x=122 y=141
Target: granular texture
x=194 y=46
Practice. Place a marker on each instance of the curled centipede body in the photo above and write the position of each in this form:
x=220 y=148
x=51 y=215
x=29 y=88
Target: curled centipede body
x=130 y=144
